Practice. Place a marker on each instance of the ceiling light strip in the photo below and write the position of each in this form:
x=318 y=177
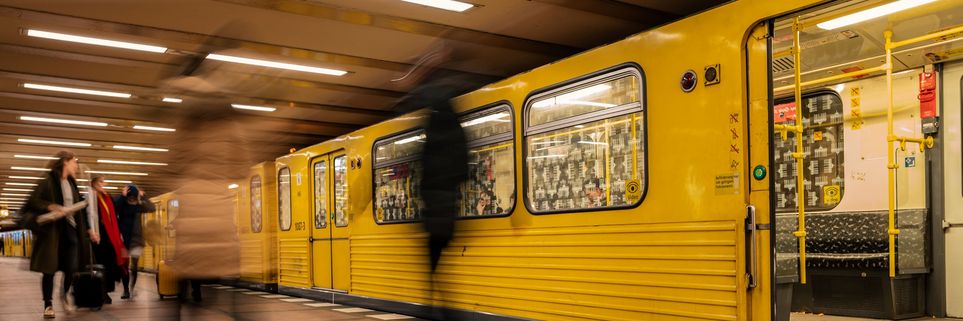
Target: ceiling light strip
x=95 y=41
x=252 y=107
x=449 y=5
x=77 y=90
x=118 y=173
x=52 y=142
x=275 y=64
x=158 y=129
x=111 y=161
x=63 y=121
x=147 y=149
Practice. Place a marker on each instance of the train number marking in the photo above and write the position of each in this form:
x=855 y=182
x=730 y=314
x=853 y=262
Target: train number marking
x=300 y=226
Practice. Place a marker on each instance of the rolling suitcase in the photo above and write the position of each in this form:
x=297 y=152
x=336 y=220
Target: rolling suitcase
x=89 y=287
x=167 y=285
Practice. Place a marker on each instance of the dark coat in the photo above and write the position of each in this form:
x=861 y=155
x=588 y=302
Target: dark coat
x=129 y=220
x=53 y=248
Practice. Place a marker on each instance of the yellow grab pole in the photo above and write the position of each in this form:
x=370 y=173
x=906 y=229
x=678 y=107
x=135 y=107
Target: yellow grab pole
x=799 y=155
x=891 y=162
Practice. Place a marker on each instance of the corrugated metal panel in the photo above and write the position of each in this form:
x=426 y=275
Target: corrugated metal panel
x=294 y=264
x=252 y=258
x=638 y=272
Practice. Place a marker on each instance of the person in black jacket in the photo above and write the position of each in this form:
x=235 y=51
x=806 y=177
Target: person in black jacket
x=62 y=244
x=129 y=206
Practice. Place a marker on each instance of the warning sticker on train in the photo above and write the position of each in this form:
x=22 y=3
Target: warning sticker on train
x=727 y=183
x=633 y=190
x=831 y=194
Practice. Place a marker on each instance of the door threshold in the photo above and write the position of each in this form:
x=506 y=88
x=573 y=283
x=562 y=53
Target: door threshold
x=328 y=290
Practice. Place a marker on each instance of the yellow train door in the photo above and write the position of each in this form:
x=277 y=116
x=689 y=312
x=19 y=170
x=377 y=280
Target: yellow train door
x=329 y=238
x=320 y=227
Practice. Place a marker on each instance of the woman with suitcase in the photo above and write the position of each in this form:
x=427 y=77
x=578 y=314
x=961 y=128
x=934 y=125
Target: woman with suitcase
x=109 y=248
x=61 y=244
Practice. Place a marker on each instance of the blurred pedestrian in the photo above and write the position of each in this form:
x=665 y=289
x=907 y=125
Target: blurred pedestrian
x=130 y=206
x=61 y=244
x=109 y=248
x=209 y=154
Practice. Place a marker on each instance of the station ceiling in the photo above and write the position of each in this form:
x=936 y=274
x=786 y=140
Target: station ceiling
x=375 y=41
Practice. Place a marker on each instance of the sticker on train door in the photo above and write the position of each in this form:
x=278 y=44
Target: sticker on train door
x=831 y=194
x=784 y=112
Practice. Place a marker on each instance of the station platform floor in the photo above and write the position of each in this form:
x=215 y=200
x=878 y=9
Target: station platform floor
x=21 y=300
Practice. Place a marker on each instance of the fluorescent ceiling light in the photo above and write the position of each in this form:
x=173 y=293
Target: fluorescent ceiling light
x=148 y=149
x=34 y=157
x=36 y=169
x=13 y=194
x=20 y=184
x=251 y=107
x=63 y=121
x=172 y=100
x=95 y=41
x=10 y=189
x=77 y=90
x=23 y=177
x=12 y=202
x=275 y=64
x=118 y=173
x=111 y=161
x=117 y=181
x=871 y=13
x=52 y=142
x=449 y=5
x=232 y=186
x=158 y=129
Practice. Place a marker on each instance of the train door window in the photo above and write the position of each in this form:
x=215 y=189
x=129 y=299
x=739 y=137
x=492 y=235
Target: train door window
x=173 y=207
x=823 y=148
x=340 y=191
x=585 y=144
x=284 y=199
x=490 y=189
x=320 y=195
x=397 y=174
x=256 y=204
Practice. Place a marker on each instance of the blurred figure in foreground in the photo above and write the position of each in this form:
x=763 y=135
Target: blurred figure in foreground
x=445 y=155
x=209 y=154
x=108 y=246
x=130 y=206
x=61 y=244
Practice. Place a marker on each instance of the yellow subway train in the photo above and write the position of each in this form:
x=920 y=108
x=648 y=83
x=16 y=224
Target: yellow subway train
x=655 y=178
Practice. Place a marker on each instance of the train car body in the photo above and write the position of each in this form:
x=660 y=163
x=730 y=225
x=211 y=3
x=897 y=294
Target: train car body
x=656 y=178
x=257 y=227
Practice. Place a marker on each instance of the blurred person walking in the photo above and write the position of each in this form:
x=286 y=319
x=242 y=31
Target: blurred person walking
x=209 y=154
x=131 y=204
x=62 y=244
x=109 y=249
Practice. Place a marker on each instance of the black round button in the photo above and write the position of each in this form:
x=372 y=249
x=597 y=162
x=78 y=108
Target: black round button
x=688 y=81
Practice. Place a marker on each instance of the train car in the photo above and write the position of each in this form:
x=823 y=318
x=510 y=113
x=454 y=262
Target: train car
x=148 y=261
x=167 y=209
x=257 y=228
x=638 y=181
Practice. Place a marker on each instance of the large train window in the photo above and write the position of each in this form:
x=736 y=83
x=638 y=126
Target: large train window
x=490 y=189
x=320 y=194
x=585 y=145
x=284 y=199
x=340 y=191
x=256 y=204
x=823 y=148
x=397 y=174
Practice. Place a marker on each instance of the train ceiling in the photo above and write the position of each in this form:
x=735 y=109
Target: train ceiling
x=374 y=41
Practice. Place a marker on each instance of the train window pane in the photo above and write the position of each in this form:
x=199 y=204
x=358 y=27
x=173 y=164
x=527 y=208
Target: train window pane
x=487 y=123
x=584 y=99
x=823 y=148
x=320 y=194
x=340 y=191
x=284 y=199
x=598 y=164
x=396 y=193
x=256 y=204
x=400 y=147
x=490 y=188
x=397 y=175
